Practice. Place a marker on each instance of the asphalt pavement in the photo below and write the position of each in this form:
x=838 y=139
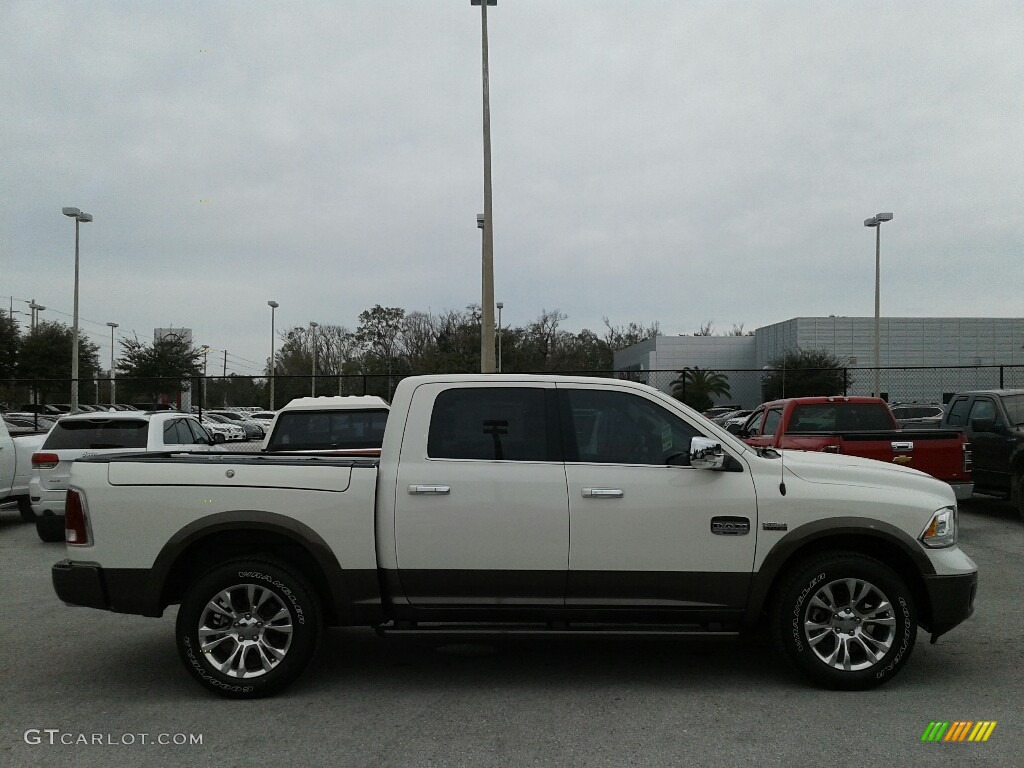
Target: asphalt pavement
x=89 y=688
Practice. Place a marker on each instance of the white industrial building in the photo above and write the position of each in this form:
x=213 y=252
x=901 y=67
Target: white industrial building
x=922 y=359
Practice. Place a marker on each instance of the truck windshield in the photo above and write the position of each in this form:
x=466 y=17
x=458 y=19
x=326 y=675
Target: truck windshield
x=1014 y=405
x=841 y=417
x=327 y=430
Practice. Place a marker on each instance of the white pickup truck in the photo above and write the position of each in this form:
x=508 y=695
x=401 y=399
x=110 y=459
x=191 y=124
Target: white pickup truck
x=521 y=503
x=16 y=468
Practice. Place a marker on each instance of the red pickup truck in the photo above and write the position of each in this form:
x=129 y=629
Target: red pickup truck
x=860 y=426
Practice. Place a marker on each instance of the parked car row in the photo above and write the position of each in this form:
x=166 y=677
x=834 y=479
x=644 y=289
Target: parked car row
x=975 y=443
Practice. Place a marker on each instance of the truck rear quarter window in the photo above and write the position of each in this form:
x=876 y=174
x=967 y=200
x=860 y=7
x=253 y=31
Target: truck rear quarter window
x=98 y=433
x=490 y=423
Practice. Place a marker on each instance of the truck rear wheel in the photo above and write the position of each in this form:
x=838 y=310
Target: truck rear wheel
x=847 y=621
x=50 y=527
x=248 y=628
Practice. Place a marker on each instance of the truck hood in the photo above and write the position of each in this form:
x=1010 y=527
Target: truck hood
x=840 y=469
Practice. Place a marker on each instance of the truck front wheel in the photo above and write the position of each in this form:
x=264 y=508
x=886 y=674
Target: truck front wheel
x=248 y=628
x=847 y=621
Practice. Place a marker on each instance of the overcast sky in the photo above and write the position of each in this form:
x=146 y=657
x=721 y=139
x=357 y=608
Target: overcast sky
x=652 y=160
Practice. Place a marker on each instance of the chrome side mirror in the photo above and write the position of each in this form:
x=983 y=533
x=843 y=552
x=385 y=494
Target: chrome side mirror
x=706 y=454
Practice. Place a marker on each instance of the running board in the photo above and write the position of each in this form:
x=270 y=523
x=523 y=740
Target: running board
x=556 y=628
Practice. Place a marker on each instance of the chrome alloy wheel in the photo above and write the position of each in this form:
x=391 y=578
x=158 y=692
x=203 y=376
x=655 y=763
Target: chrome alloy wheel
x=850 y=624
x=245 y=631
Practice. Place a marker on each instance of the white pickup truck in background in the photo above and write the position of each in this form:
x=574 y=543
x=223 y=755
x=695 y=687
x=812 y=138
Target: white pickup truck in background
x=16 y=469
x=351 y=425
x=521 y=503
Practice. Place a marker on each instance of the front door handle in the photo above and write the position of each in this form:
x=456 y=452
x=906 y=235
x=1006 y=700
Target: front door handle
x=430 y=490
x=602 y=493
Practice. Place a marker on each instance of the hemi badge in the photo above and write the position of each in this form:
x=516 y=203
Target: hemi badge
x=775 y=526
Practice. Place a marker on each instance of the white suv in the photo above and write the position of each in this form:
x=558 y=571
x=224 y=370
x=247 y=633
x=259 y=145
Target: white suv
x=87 y=434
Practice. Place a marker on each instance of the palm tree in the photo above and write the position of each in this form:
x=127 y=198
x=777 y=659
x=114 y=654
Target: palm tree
x=696 y=386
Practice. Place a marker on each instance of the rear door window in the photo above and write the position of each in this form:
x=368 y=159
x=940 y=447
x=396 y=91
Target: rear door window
x=491 y=423
x=97 y=433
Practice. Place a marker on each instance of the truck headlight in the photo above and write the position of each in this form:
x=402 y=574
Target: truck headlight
x=941 y=529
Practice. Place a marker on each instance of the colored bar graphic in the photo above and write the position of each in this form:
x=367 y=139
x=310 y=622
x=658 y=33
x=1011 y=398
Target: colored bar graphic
x=958 y=730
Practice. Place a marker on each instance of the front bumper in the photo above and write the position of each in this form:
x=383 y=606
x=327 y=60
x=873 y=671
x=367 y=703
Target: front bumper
x=951 y=599
x=122 y=590
x=963 y=491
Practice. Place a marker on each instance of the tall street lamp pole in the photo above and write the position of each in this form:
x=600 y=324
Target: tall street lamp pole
x=876 y=222
x=312 y=330
x=273 y=363
x=113 y=385
x=206 y=356
x=80 y=218
x=500 y=306
x=487 y=301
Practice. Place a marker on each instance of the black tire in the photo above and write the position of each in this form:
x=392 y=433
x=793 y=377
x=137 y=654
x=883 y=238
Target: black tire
x=25 y=508
x=261 y=660
x=867 y=635
x=50 y=527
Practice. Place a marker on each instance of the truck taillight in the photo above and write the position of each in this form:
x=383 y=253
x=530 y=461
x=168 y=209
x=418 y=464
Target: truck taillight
x=76 y=527
x=968 y=458
x=45 y=460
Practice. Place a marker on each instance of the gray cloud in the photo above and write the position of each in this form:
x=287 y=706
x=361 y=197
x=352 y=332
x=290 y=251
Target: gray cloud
x=669 y=161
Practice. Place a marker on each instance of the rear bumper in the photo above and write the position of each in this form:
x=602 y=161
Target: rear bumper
x=122 y=590
x=47 y=501
x=951 y=599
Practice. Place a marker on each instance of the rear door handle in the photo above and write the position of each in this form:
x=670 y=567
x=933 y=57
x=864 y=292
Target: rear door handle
x=602 y=493
x=430 y=490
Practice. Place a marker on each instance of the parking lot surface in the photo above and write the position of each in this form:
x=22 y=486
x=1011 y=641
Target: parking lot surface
x=90 y=688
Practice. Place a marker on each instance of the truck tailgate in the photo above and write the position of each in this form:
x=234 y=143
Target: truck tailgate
x=938 y=453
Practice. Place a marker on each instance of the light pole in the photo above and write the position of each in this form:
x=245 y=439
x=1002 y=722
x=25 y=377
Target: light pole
x=876 y=222
x=80 y=218
x=273 y=363
x=34 y=317
x=206 y=356
x=487 y=302
x=113 y=397
x=500 y=306
x=312 y=335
